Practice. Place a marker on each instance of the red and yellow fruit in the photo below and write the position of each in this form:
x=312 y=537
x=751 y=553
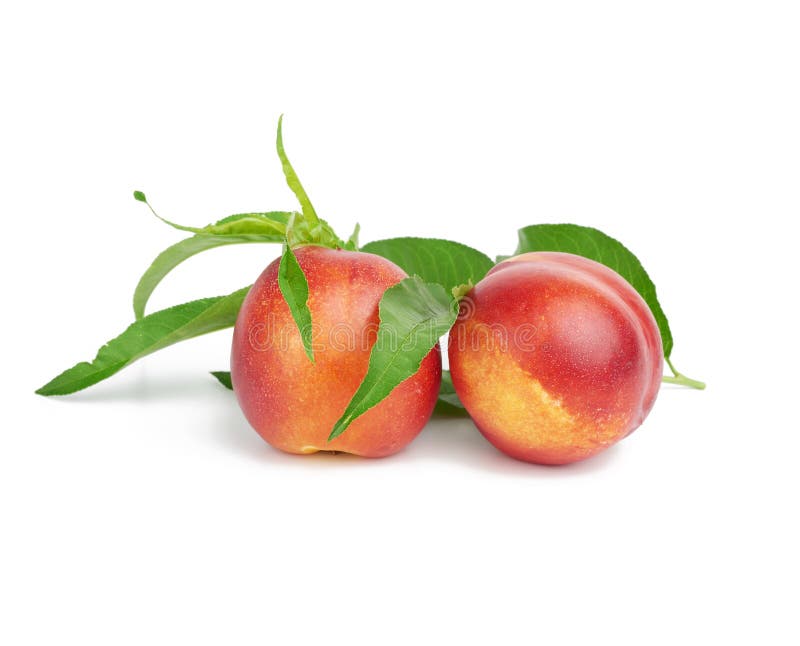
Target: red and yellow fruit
x=294 y=403
x=556 y=357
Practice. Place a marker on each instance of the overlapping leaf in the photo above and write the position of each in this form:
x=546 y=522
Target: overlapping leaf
x=413 y=316
x=437 y=261
x=294 y=287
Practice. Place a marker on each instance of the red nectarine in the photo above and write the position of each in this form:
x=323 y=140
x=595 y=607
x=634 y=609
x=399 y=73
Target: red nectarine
x=294 y=403
x=555 y=357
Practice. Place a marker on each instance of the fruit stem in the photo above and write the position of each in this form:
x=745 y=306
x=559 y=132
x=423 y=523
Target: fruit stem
x=681 y=380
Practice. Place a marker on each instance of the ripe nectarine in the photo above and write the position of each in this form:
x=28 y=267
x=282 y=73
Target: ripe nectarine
x=555 y=357
x=294 y=403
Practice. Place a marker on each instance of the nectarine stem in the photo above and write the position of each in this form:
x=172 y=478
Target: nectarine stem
x=681 y=380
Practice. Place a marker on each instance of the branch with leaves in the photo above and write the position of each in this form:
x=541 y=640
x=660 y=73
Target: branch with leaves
x=419 y=310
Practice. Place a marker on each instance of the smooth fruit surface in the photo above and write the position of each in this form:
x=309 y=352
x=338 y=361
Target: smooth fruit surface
x=293 y=403
x=556 y=357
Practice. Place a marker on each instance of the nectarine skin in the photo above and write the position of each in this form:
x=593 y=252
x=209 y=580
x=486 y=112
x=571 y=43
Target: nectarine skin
x=293 y=403
x=556 y=357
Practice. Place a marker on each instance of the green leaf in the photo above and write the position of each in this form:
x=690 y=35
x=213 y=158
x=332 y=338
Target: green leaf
x=460 y=291
x=308 y=228
x=299 y=232
x=272 y=223
x=447 y=392
x=596 y=245
x=269 y=223
x=148 y=335
x=437 y=261
x=310 y=215
x=236 y=229
x=294 y=287
x=352 y=241
x=138 y=195
x=224 y=377
x=413 y=316
x=448 y=404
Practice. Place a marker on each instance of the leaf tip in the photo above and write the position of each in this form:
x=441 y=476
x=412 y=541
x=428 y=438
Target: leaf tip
x=352 y=241
x=223 y=378
x=51 y=388
x=310 y=355
x=280 y=133
x=338 y=429
x=139 y=197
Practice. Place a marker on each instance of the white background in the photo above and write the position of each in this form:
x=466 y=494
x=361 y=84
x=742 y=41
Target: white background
x=145 y=510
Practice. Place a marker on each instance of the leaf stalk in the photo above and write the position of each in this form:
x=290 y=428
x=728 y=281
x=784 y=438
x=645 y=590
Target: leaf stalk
x=681 y=379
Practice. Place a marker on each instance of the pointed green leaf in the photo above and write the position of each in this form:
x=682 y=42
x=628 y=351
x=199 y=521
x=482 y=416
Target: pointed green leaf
x=352 y=241
x=294 y=181
x=139 y=196
x=148 y=335
x=224 y=377
x=596 y=245
x=271 y=223
x=294 y=287
x=309 y=228
x=413 y=316
x=437 y=261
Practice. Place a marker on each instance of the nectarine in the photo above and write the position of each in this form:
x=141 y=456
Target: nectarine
x=555 y=357
x=294 y=403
